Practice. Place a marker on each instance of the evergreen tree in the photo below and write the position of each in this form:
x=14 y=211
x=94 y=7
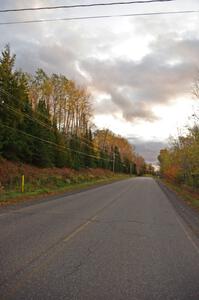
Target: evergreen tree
x=62 y=154
x=14 y=103
x=43 y=149
x=38 y=114
x=76 y=157
x=88 y=149
x=117 y=158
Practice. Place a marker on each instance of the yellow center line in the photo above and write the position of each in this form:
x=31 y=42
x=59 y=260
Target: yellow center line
x=20 y=283
x=80 y=228
x=84 y=225
x=74 y=233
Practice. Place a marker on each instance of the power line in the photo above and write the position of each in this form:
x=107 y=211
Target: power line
x=52 y=143
x=13 y=97
x=94 y=147
x=57 y=145
x=33 y=119
x=47 y=126
x=15 y=110
x=21 y=112
x=81 y=5
x=100 y=17
x=26 y=115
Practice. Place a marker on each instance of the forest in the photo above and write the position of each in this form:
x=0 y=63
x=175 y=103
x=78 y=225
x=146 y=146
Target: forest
x=46 y=121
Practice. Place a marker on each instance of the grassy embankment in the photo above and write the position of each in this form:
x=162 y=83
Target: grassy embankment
x=189 y=195
x=48 y=181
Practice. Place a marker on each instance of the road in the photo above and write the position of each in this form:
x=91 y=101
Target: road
x=119 y=241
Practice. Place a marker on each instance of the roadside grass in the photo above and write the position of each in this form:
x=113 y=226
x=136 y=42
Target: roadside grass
x=191 y=197
x=54 y=186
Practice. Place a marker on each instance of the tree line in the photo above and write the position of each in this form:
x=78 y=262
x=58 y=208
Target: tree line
x=46 y=121
x=180 y=162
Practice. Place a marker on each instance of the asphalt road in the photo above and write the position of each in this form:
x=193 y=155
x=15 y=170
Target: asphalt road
x=120 y=241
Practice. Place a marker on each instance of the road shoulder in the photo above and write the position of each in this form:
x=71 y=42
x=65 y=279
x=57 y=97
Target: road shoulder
x=187 y=213
x=28 y=201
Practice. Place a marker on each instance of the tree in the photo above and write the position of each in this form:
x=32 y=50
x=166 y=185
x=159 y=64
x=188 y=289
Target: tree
x=45 y=120
x=14 y=103
x=44 y=147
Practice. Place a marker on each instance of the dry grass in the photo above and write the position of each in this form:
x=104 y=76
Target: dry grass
x=189 y=195
x=46 y=181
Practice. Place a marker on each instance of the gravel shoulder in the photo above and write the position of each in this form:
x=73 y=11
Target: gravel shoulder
x=187 y=213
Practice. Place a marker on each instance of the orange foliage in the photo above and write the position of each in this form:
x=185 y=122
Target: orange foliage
x=10 y=172
x=173 y=172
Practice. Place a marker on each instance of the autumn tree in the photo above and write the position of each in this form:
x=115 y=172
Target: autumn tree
x=46 y=120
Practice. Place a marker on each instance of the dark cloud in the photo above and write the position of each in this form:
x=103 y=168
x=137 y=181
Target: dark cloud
x=148 y=149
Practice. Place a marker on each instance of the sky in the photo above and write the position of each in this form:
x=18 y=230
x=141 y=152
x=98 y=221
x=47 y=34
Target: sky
x=139 y=70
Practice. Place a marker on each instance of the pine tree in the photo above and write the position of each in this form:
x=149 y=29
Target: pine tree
x=14 y=103
x=62 y=154
x=43 y=149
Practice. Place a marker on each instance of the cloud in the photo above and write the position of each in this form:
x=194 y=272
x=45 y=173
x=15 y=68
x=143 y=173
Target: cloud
x=164 y=74
x=132 y=87
x=130 y=64
x=148 y=149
